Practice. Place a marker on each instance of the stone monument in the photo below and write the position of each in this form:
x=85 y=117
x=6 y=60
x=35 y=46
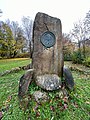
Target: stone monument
x=47 y=51
x=47 y=57
x=47 y=42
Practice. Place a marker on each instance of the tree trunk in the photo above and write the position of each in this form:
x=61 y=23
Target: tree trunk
x=84 y=49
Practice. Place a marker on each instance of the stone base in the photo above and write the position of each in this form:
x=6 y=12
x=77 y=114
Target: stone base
x=49 y=82
x=25 y=80
x=68 y=78
x=40 y=96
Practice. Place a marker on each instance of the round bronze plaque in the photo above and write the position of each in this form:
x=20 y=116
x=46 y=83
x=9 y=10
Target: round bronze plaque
x=48 y=39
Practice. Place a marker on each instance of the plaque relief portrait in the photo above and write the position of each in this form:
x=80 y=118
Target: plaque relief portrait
x=48 y=39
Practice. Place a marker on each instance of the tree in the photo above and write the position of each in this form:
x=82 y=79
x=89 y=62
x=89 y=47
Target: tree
x=27 y=28
x=78 y=34
x=87 y=24
x=6 y=41
x=68 y=46
x=20 y=41
x=15 y=28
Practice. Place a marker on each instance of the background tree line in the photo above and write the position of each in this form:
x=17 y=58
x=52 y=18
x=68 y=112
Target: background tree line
x=15 y=39
x=77 y=42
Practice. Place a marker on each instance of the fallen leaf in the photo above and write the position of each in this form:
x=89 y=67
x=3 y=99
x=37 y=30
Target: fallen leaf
x=1 y=115
x=52 y=108
x=65 y=106
x=65 y=99
x=60 y=104
x=37 y=114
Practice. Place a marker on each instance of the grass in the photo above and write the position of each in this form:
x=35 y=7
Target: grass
x=8 y=64
x=77 y=107
x=8 y=97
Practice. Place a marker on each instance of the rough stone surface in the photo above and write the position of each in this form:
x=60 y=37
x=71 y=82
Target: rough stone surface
x=49 y=82
x=69 y=81
x=47 y=60
x=63 y=93
x=24 y=83
x=15 y=69
x=40 y=96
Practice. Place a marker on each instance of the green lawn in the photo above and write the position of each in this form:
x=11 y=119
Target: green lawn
x=8 y=64
x=77 y=107
x=8 y=97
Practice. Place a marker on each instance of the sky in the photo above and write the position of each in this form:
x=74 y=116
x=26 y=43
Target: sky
x=68 y=11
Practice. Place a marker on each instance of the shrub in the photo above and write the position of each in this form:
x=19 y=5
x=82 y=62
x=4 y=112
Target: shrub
x=0 y=57
x=67 y=57
x=87 y=61
x=77 y=57
x=22 y=55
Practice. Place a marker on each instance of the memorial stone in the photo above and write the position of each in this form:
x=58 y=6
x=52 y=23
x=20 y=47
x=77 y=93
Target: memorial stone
x=47 y=42
x=47 y=57
x=47 y=52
